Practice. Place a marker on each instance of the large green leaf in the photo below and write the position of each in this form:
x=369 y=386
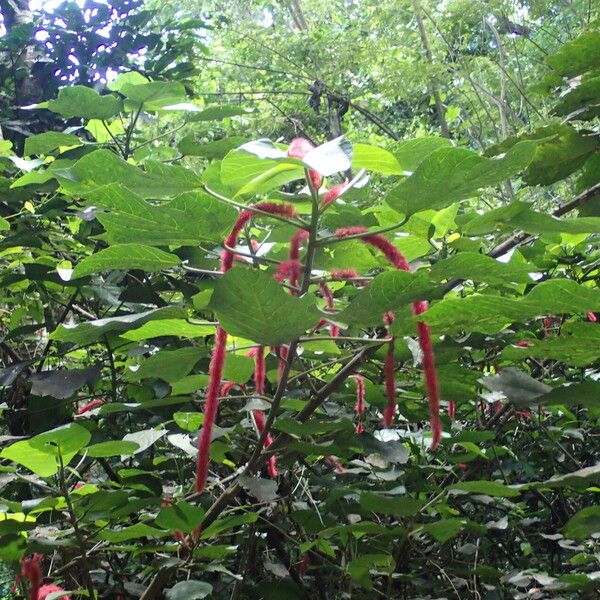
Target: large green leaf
x=48 y=141
x=448 y=175
x=103 y=167
x=125 y=257
x=583 y=524
x=411 y=153
x=578 y=55
x=218 y=113
x=479 y=267
x=168 y=327
x=488 y=488
x=581 y=102
x=518 y=387
x=190 y=218
x=189 y=590
x=40 y=454
x=169 y=365
x=560 y=151
x=360 y=567
x=82 y=101
x=490 y=313
x=216 y=149
x=578 y=345
x=375 y=159
x=519 y=215
x=90 y=331
x=154 y=95
x=251 y=304
x=389 y=291
x=180 y=517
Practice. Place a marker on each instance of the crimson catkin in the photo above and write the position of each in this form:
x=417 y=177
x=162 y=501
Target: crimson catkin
x=31 y=571
x=217 y=361
x=90 y=406
x=390 y=385
x=359 y=407
x=259 y=416
x=343 y=274
x=396 y=258
x=328 y=296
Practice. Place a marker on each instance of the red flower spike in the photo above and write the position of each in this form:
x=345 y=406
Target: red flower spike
x=328 y=295
x=360 y=395
x=219 y=351
x=592 y=317
x=359 y=428
x=31 y=570
x=523 y=344
x=304 y=564
x=259 y=421
x=333 y=194
x=259 y=370
x=290 y=270
x=48 y=589
x=343 y=274
x=227 y=387
x=451 y=409
x=211 y=405
x=90 y=406
x=283 y=210
x=396 y=258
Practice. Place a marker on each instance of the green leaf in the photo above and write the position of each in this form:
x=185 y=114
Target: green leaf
x=375 y=159
x=189 y=384
x=480 y=268
x=218 y=113
x=560 y=151
x=448 y=175
x=586 y=393
x=168 y=365
x=411 y=153
x=154 y=95
x=583 y=524
x=242 y=171
x=39 y=454
x=180 y=517
x=312 y=427
x=110 y=448
x=578 y=345
x=82 y=101
x=518 y=387
x=359 y=568
x=190 y=421
x=581 y=102
x=134 y=532
x=389 y=291
x=189 y=219
x=189 y=590
x=488 y=488
x=444 y=529
x=90 y=331
x=519 y=215
x=238 y=368
x=226 y=523
x=489 y=313
x=125 y=257
x=252 y=305
x=48 y=141
x=4 y=224
x=399 y=506
x=168 y=327
x=217 y=149
x=103 y=167
x=577 y=56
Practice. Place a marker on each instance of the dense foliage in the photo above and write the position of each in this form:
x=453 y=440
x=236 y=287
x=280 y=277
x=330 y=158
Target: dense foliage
x=387 y=353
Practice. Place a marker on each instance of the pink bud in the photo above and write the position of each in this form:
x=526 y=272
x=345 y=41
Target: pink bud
x=299 y=148
x=333 y=194
x=592 y=317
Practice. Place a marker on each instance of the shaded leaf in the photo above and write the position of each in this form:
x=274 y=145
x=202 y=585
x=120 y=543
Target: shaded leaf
x=63 y=383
